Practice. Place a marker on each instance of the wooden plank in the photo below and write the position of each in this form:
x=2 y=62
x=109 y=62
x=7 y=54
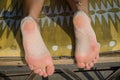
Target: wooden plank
x=19 y=62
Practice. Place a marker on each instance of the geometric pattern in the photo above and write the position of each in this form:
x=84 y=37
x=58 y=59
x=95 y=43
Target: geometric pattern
x=105 y=15
x=106 y=8
x=56 y=26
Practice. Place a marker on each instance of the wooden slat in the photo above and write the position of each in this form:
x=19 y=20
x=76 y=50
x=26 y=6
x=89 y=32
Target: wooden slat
x=18 y=62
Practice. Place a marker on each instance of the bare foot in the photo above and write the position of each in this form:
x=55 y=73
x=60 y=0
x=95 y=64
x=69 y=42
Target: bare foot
x=87 y=50
x=36 y=53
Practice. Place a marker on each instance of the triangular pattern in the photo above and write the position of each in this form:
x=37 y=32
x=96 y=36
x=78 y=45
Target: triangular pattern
x=56 y=20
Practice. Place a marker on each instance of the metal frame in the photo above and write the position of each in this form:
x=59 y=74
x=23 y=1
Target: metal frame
x=69 y=72
x=114 y=75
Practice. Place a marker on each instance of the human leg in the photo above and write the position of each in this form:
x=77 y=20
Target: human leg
x=86 y=49
x=36 y=53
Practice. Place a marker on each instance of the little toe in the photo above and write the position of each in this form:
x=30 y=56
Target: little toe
x=80 y=65
x=94 y=61
x=50 y=70
x=97 y=57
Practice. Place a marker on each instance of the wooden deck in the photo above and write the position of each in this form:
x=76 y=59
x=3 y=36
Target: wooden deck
x=17 y=61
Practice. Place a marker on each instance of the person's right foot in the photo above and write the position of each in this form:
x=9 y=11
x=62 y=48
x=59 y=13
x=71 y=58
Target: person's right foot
x=36 y=53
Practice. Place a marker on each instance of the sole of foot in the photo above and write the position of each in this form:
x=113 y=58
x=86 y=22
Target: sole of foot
x=87 y=49
x=37 y=55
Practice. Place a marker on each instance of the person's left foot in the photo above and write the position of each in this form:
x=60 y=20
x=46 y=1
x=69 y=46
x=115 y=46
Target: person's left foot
x=86 y=49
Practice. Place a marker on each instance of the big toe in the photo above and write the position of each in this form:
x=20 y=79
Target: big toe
x=45 y=74
x=50 y=70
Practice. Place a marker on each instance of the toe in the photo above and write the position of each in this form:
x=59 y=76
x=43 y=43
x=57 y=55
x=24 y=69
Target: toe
x=91 y=64
x=87 y=67
x=80 y=65
x=50 y=70
x=40 y=72
x=45 y=74
x=37 y=71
